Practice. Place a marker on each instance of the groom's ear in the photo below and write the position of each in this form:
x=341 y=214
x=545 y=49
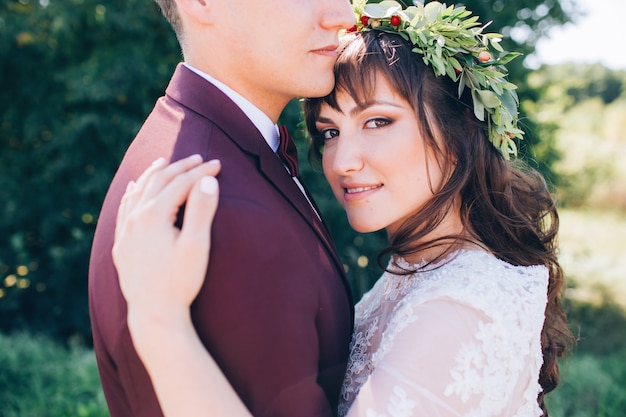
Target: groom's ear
x=201 y=11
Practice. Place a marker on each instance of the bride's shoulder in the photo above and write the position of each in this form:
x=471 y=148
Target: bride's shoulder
x=481 y=266
x=478 y=279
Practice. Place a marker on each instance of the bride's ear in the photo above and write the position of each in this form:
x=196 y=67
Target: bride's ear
x=201 y=11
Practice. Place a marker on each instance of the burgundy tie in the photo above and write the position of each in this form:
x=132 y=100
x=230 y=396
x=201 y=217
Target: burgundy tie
x=288 y=152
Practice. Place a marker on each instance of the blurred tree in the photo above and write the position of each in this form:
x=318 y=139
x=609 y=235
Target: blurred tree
x=77 y=79
x=586 y=102
x=570 y=84
x=523 y=23
x=588 y=81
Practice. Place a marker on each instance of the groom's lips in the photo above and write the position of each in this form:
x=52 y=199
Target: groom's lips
x=328 y=50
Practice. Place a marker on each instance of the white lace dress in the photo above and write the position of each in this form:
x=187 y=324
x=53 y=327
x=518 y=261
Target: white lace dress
x=461 y=340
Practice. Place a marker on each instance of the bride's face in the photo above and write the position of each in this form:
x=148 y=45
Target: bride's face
x=375 y=159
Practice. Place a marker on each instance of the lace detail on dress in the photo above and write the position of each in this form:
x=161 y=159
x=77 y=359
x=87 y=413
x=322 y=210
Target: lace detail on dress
x=400 y=405
x=360 y=346
x=360 y=365
x=476 y=373
x=488 y=368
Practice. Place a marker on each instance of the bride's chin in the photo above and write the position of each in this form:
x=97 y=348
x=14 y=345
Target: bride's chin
x=363 y=227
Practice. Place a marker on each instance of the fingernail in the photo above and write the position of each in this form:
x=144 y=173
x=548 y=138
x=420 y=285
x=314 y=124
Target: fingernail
x=214 y=162
x=158 y=162
x=130 y=186
x=208 y=185
x=195 y=158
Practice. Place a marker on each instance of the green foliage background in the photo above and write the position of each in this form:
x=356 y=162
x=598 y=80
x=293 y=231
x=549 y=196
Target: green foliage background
x=77 y=79
x=39 y=378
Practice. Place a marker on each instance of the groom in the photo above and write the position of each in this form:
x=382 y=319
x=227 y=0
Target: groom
x=275 y=310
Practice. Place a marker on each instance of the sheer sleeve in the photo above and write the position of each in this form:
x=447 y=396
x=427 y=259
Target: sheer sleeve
x=445 y=358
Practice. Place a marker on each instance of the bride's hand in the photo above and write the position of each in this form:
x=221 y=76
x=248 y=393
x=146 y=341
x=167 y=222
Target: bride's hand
x=160 y=267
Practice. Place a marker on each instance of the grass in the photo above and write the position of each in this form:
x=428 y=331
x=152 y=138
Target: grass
x=593 y=379
x=591 y=386
x=42 y=379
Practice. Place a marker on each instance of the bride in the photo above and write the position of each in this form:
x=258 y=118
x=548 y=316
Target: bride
x=416 y=138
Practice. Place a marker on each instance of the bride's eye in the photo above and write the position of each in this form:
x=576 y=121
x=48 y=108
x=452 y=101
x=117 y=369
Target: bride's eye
x=377 y=123
x=329 y=134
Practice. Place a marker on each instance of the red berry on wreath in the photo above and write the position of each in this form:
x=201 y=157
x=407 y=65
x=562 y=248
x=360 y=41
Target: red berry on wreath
x=395 y=20
x=365 y=20
x=352 y=29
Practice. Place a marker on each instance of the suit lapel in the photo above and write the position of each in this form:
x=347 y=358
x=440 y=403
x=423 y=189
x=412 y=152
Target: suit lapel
x=204 y=98
x=273 y=169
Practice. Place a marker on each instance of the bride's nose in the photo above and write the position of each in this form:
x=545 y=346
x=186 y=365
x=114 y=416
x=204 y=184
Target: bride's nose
x=347 y=156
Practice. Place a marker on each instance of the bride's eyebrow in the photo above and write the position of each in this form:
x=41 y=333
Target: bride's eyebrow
x=358 y=109
x=363 y=106
x=324 y=120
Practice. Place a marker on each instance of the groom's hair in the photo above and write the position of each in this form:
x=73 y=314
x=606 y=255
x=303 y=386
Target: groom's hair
x=169 y=10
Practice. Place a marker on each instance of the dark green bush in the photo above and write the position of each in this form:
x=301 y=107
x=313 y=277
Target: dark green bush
x=600 y=325
x=593 y=377
x=77 y=79
x=39 y=378
x=592 y=386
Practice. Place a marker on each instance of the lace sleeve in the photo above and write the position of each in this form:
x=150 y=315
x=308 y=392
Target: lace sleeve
x=445 y=358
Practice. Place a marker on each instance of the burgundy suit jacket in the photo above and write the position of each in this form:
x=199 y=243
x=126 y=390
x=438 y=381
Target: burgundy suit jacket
x=275 y=310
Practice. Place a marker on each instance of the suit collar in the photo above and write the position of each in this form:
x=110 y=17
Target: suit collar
x=202 y=97
x=205 y=99
x=263 y=123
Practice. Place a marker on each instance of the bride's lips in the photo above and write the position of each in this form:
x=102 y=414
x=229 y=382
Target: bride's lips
x=353 y=192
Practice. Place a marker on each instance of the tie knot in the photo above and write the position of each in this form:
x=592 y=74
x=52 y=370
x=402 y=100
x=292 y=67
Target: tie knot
x=287 y=151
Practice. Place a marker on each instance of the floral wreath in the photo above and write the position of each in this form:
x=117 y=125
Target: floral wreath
x=452 y=42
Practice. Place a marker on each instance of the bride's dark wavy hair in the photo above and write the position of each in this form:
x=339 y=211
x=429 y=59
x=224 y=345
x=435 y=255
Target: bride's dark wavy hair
x=505 y=206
